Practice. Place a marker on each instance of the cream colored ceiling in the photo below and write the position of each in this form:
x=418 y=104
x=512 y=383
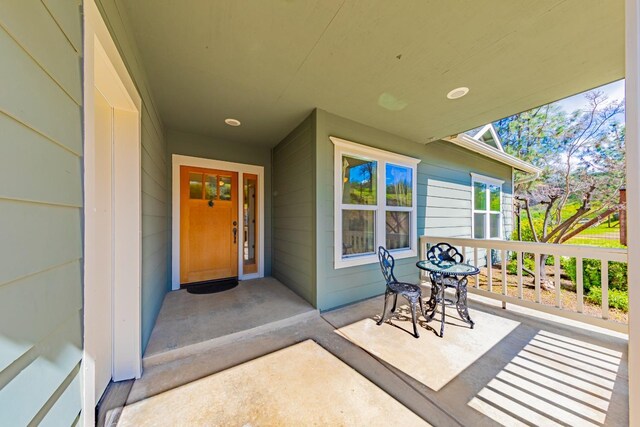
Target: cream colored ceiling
x=387 y=64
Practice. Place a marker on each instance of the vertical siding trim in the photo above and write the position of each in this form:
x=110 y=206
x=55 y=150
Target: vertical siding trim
x=314 y=207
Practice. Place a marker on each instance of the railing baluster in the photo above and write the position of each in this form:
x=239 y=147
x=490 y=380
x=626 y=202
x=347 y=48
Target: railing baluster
x=536 y=269
x=579 y=284
x=475 y=263
x=521 y=249
x=604 y=280
x=503 y=267
x=489 y=270
x=556 y=266
x=519 y=261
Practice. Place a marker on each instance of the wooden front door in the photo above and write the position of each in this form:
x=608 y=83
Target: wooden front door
x=208 y=224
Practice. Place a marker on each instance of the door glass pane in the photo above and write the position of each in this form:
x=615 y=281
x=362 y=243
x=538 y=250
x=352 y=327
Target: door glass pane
x=195 y=185
x=479 y=196
x=358 y=232
x=211 y=187
x=494 y=226
x=359 y=178
x=494 y=198
x=250 y=189
x=397 y=226
x=225 y=187
x=399 y=185
x=478 y=225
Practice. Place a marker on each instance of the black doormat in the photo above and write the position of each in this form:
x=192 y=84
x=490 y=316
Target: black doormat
x=213 y=286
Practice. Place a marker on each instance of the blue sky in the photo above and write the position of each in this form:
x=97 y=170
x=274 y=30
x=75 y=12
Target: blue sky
x=615 y=91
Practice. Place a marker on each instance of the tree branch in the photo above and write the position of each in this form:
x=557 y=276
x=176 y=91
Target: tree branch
x=598 y=218
x=533 y=230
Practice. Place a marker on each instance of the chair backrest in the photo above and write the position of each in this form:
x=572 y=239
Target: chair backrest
x=444 y=252
x=386 y=265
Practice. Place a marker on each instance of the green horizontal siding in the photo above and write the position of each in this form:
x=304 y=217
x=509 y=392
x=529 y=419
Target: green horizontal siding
x=444 y=203
x=293 y=210
x=41 y=211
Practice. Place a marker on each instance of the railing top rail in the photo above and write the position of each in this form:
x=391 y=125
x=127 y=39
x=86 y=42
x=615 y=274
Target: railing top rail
x=589 y=252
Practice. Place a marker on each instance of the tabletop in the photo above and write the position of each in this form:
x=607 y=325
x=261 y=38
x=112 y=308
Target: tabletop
x=449 y=268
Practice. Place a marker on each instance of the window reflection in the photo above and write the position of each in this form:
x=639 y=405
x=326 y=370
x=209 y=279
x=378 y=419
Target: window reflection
x=494 y=226
x=398 y=229
x=211 y=187
x=358 y=232
x=494 y=198
x=225 y=187
x=399 y=185
x=359 y=178
x=480 y=196
x=250 y=192
x=195 y=185
x=478 y=225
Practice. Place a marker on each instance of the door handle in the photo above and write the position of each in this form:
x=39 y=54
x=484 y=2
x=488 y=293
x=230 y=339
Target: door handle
x=235 y=234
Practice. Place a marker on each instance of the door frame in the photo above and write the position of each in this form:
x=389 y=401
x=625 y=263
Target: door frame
x=178 y=160
x=105 y=69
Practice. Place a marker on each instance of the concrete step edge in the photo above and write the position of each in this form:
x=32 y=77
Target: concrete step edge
x=192 y=349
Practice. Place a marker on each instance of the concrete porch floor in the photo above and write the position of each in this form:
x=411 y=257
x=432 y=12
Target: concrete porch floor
x=536 y=372
x=188 y=323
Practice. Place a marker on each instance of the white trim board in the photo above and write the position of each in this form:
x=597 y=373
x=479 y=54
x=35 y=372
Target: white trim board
x=487 y=212
x=632 y=113
x=178 y=160
x=484 y=178
x=344 y=147
x=105 y=71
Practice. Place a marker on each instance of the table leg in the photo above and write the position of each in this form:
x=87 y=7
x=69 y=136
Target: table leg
x=443 y=302
x=461 y=301
x=433 y=299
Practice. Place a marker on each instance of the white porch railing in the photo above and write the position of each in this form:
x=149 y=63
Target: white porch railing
x=504 y=247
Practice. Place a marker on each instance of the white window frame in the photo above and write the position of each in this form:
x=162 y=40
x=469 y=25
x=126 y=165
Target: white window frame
x=487 y=211
x=343 y=147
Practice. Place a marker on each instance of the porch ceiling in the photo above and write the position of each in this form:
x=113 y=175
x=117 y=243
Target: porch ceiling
x=269 y=63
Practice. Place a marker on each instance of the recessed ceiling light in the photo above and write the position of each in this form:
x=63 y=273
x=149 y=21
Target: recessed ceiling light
x=232 y=122
x=458 y=92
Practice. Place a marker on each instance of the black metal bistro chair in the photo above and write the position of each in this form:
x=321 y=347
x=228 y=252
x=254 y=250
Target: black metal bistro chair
x=440 y=281
x=411 y=292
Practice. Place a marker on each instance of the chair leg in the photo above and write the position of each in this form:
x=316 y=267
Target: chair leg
x=384 y=310
x=395 y=303
x=413 y=317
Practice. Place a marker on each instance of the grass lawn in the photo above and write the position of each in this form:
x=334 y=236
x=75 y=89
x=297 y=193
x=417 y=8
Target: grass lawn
x=588 y=240
x=603 y=228
x=600 y=235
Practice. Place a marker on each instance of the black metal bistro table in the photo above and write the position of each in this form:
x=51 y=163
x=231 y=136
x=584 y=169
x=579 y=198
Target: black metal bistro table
x=448 y=274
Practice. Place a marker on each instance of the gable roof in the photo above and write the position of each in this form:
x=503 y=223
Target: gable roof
x=486 y=134
x=485 y=141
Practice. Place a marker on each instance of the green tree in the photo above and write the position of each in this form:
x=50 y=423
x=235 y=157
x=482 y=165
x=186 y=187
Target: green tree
x=582 y=158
